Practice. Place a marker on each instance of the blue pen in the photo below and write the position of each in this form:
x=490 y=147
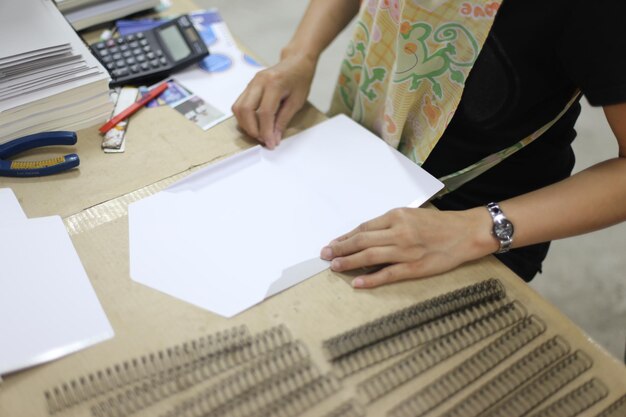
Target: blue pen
x=37 y=168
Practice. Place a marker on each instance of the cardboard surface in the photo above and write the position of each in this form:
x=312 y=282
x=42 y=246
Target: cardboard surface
x=162 y=146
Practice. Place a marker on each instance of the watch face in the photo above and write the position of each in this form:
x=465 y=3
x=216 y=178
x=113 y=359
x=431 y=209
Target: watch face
x=503 y=229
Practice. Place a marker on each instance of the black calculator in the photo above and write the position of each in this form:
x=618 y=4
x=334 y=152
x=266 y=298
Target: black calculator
x=144 y=57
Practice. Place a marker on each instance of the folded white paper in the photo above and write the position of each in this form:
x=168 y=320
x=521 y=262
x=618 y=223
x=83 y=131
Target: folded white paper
x=241 y=230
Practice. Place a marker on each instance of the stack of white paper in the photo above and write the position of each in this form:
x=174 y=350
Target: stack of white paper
x=48 y=78
x=228 y=236
x=48 y=308
x=85 y=13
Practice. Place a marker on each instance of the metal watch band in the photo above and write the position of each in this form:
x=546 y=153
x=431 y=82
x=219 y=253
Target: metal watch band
x=502 y=227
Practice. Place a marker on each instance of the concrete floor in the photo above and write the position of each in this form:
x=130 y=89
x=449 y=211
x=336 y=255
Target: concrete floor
x=583 y=276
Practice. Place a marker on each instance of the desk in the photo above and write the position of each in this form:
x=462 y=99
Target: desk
x=163 y=147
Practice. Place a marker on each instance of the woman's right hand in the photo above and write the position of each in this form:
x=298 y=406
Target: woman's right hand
x=273 y=97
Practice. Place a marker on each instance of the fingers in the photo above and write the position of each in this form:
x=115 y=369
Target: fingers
x=245 y=108
x=379 y=223
x=388 y=275
x=266 y=115
x=287 y=110
x=356 y=243
x=368 y=257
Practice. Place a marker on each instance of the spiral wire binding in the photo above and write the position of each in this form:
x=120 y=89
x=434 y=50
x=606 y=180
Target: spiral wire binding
x=288 y=394
x=412 y=316
x=223 y=393
x=468 y=371
x=617 y=409
x=347 y=409
x=547 y=384
x=436 y=352
x=510 y=379
x=146 y=394
x=577 y=401
x=301 y=399
x=358 y=360
x=92 y=385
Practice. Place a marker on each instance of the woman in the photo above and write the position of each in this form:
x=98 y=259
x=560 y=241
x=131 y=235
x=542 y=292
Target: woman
x=451 y=84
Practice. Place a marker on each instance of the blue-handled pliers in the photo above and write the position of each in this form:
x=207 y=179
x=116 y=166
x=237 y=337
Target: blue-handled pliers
x=37 y=168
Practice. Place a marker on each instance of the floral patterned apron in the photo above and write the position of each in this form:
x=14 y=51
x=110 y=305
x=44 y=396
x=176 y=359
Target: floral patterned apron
x=405 y=69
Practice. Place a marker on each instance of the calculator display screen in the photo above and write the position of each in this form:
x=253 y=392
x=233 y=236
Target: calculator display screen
x=175 y=43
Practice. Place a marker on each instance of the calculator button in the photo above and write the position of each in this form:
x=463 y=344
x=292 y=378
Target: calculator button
x=120 y=63
x=139 y=35
x=110 y=66
x=107 y=59
x=121 y=72
x=154 y=63
x=130 y=38
x=100 y=45
x=104 y=53
x=158 y=52
x=163 y=61
x=143 y=42
x=147 y=48
x=117 y=56
x=134 y=68
x=130 y=60
x=123 y=47
x=127 y=54
x=110 y=43
x=137 y=51
x=114 y=50
x=150 y=55
x=144 y=66
x=120 y=41
x=134 y=44
x=140 y=58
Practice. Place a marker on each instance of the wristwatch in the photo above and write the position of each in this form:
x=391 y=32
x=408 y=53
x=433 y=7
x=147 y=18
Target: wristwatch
x=502 y=227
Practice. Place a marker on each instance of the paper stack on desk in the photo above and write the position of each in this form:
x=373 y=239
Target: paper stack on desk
x=248 y=227
x=85 y=13
x=48 y=308
x=48 y=78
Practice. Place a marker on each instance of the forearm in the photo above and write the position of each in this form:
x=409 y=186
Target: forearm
x=321 y=23
x=589 y=200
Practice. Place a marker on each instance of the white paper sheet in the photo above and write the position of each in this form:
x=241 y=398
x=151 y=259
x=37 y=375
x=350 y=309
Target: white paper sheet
x=10 y=210
x=227 y=237
x=48 y=307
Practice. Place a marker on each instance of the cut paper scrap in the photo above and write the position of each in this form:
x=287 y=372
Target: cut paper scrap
x=246 y=228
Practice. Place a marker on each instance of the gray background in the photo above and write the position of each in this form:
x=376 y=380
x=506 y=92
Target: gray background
x=583 y=276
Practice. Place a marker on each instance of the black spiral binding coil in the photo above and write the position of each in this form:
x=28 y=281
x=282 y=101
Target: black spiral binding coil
x=510 y=379
x=412 y=316
x=524 y=400
x=576 y=401
x=119 y=375
x=616 y=409
x=347 y=409
x=222 y=394
x=477 y=365
x=385 y=349
x=426 y=357
x=287 y=394
x=147 y=393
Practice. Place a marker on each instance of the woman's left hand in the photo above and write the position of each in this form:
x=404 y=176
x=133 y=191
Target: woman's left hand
x=412 y=243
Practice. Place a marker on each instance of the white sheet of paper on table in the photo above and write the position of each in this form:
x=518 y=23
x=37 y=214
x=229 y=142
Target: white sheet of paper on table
x=48 y=307
x=248 y=227
x=10 y=209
